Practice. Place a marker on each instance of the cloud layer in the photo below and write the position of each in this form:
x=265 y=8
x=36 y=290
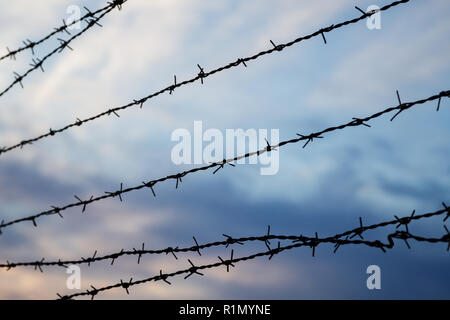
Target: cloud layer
x=388 y=169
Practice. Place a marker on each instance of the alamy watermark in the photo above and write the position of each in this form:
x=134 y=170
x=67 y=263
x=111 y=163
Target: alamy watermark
x=374 y=21
x=374 y=280
x=73 y=282
x=74 y=14
x=211 y=146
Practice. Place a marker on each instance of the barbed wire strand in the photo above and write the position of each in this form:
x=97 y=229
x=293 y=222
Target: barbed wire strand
x=404 y=221
x=31 y=45
x=220 y=165
x=200 y=76
x=38 y=63
x=271 y=252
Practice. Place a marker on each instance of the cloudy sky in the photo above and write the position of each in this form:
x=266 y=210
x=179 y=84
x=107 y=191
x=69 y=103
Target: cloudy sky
x=389 y=169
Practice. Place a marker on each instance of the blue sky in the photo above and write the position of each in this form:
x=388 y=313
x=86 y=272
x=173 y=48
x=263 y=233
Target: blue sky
x=389 y=169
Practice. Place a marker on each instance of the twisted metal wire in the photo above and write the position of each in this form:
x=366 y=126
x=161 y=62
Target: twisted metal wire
x=38 y=63
x=200 y=76
x=220 y=165
x=297 y=241
x=31 y=45
x=404 y=221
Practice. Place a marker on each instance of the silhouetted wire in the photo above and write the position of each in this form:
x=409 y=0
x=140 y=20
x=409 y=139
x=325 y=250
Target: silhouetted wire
x=220 y=165
x=200 y=76
x=404 y=221
x=38 y=63
x=31 y=45
x=297 y=241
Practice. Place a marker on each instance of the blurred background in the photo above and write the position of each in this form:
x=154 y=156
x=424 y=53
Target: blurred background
x=389 y=169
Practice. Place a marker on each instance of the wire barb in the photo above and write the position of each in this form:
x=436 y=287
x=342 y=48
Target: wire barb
x=193 y=270
x=117 y=3
x=231 y=241
x=401 y=106
x=359 y=231
x=172 y=251
x=115 y=256
x=178 y=177
x=18 y=78
x=83 y=203
x=11 y=54
x=405 y=221
x=309 y=138
x=139 y=253
x=269 y=148
x=197 y=247
x=273 y=251
x=277 y=47
x=172 y=88
x=267 y=241
x=64 y=44
x=201 y=74
x=221 y=165
x=240 y=60
x=164 y=277
x=360 y=10
x=116 y=193
x=323 y=37
x=126 y=285
x=150 y=185
x=447 y=237
x=38 y=265
x=446 y=209
x=359 y=122
x=227 y=263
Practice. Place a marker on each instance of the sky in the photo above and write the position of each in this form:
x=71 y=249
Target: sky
x=376 y=173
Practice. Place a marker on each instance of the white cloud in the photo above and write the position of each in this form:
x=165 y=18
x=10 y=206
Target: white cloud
x=409 y=53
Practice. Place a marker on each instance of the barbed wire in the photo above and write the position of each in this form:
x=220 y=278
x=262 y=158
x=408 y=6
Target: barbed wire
x=38 y=63
x=297 y=241
x=64 y=28
x=202 y=74
x=194 y=269
x=404 y=221
x=220 y=165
